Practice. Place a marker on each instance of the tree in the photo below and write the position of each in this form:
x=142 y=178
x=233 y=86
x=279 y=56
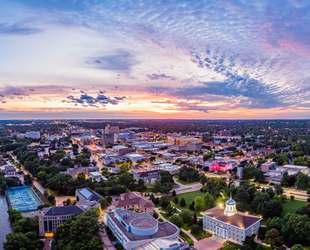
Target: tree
x=51 y=198
x=297 y=247
x=187 y=217
x=155 y=215
x=81 y=232
x=195 y=218
x=195 y=229
x=164 y=202
x=176 y=200
x=285 y=179
x=14 y=215
x=203 y=179
x=169 y=210
x=157 y=186
x=173 y=193
x=273 y=238
x=182 y=202
x=302 y=180
x=26 y=224
x=199 y=204
x=18 y=241
x=176 y=220
x=103 y=202
x=278 y=189
x=208 y=200
x=281 y=159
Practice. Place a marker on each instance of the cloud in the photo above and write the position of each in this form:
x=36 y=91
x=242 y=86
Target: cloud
x=17 y=29
x=119 y=60
x=160 y=76
x=87 y=100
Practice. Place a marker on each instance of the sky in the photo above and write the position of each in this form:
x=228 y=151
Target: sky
x=217 y=59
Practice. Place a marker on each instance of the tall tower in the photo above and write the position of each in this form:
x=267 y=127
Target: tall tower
x=230 y=208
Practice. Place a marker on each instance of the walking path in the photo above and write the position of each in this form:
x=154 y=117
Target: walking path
x=107 y=244
x=183 y=230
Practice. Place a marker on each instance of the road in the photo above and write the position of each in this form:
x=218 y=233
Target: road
x=25 y=172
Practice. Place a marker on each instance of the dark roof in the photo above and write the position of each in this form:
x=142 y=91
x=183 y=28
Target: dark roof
x=147 y=173
x=241 y=220
x=73 y=209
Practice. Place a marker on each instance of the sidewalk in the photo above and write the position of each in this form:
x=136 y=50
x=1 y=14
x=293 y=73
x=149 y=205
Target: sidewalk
x=107 y=244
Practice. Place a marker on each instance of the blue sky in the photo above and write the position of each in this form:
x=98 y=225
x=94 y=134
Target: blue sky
x=154 y=59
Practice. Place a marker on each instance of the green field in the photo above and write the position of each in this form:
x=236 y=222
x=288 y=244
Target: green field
x=291 y=206
x=190 y=181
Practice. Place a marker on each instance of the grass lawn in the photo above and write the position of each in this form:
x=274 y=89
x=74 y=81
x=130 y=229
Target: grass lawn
x=189 y=198
x=291 y=206
x=187 y=238
x=190 y=181
x=202 y=235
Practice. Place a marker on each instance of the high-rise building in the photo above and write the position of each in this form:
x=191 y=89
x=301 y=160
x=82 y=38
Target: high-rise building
x=111 y=129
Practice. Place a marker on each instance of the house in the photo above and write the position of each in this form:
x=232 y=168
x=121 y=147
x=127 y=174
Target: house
x=133 y=229
x=97 y=176
x=134 y=201
x=229 y=224
x=86 y=170
x=149 y=177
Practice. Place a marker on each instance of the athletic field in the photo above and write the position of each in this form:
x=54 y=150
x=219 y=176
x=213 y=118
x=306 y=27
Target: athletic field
x=23 y=199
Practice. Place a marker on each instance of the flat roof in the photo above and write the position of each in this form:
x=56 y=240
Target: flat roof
x=165 y=229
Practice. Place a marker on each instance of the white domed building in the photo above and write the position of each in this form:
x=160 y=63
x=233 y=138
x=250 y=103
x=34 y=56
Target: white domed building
x=229 y=224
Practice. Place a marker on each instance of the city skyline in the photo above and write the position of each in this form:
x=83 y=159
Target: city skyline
x=147 y=59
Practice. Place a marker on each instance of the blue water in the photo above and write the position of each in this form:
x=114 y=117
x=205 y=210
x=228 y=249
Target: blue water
x=5 y=226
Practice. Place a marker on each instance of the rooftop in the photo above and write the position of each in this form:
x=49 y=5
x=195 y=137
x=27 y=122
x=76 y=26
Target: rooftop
x=62 y=210
x=240 y=220
x=165 y=229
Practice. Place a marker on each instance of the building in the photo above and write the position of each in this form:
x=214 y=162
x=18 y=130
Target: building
x=220 y=166
x=97 y=176
x=135 y=157
x=149 y=177
x=123 y=150
x=134 y=201
x=50 y=217
x=107 y=139
x=8 y=170
x=183 y=140
x=33 y=135
x=86 y=170
x=265 y=167
x=240 y=172
x=134 y=229
x=229 y=224
x=111 y=129
x=194 y=146
x=86 y=194
x=179 y=148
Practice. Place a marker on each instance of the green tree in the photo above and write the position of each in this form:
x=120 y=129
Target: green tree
x=16 y=241
x=195 y=229
x=273 y=238
x=187 y=217
x=297 y=247
x=176 y=220
x=278 y=189
x=176 y=200
x=302 y=180
x=199 y=204
x=208 y=200
x=285 y=179
x=203 y=179
x=182 y=202
x=169 y=210
x=103 y=202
